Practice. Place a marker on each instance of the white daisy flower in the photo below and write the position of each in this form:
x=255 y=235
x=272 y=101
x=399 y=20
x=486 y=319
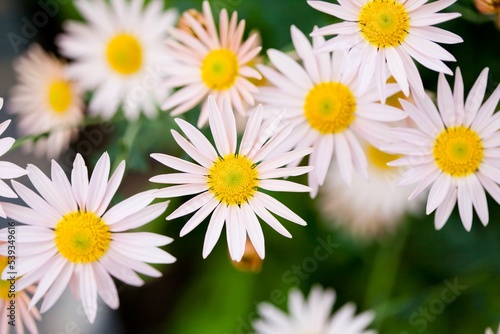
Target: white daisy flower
x=45 y=100
x=312 y=316
x=120 y=54
x=325 y=102
x=490 y=331
x=211 y=62
x=368 y=208
x=73 y=238
x=455 y=148
x=376 y=32
x=8 y=170
x=228 y=181
x=22 y=317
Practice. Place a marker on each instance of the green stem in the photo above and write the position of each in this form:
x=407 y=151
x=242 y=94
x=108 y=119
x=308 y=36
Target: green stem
x=127 y=141
x=383 y=275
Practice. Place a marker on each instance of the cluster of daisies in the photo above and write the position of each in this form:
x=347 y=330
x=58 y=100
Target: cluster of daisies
x=354 y=104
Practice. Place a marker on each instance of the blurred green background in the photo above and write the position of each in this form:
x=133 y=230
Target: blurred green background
x=405 y=277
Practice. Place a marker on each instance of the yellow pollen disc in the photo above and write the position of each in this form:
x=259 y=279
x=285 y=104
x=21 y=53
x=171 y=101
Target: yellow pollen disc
x=124 y=54
x=82 y=237
x=60 y=96
x=233 y=179
x=4 y=285
x=379 y=158
x=219 y=69
x=330 y=107
x=458 y=151
x=384 y=23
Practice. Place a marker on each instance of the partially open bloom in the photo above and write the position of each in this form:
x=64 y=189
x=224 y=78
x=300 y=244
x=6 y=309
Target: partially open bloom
x=8 y=170
x=211 y=62
x=73 y=238
x=455 y=149
x=228 y=181
x=377 y=32
x=46 y=100
x=11 y=295
x=312 y=315
x=119 y=54
x=324 y=101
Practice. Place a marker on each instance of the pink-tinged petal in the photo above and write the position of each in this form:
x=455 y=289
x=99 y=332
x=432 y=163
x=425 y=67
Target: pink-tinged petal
x=443 y=212
x=280 y=81
x=26 y=233
x=431 y=175
x=325 y=152
x=258 y=207
x=278 y=208
x=478 y=196
x=272 y=144
x=88 y=291
x=289 y=67
x=397 y=69
x=209 y=23
x=179 y=164
x=381 y=112
x=61 y=183
x=484 y=114
x=37 y=203
x=214 y=229
x=491 y=187
x=412 y=73
x=98 y=183
x=429 y=20
x=80 y=181
x=251 y=130
x=106 y=288
x=128 y=207
x=6 y=144
x=111 y=188
x=235 y=233
x=254 y=230
x=432 y=7
x=197 y=139
x=465 y=207
x=182 y=190
x=229 y=125
x=195 y=91
x=358 y=154
x=282 y=185
x=58 y=287
x=367 y=70
x=304 y=50
x=438 y=192
x=436 y=35
x=54 y=269
x=285 y=172
x=138 y=266
x=199 y=216
x=140 y=218
x=192 y=151
x=217 y=127
x=5 y=124
x=335 y=10
x=179 y=178
x=268 y=166
x=142 y=239
x=421 y=118
x=446 y=102
x=121 y=272
x=27 y=215
x=145 y=254
x=344 y=159
x=192 y=205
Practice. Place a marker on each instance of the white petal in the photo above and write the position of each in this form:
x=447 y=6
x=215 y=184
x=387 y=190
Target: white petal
x=253 y=229
x=199 y=216
x=214 y=229
x=98 y=183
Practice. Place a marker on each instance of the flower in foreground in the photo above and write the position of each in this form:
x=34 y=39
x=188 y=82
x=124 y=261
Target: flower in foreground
x=377 y=32
x=455 y=149
x=368 y=208
x=119 y=54
x=312 y=315
x=324 y=101
x=45 y=100
x=21 y=300
x=228 y=181
x=8 y=170
x=211 y=62
x=72 y=238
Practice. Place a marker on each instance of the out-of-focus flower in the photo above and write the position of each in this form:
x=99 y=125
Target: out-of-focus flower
x=211 y=62
x=72 y=238
x=455 y=148
x=489 y=7
x=119 y=54
x=490 y=331
x=250 y=261
x=228 y=181
x=14 y=304
x=312 y=316
x=377 y=32
x=323 y=99
x=8 y=170
x=367 y=208
x=45 y=100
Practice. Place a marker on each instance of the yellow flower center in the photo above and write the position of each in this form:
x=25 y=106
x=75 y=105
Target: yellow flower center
x=4 y=285
x=219 y=69
x=124 y=54
x=60 y=96
x=233 y=179
x=458 y=151
x=82 y=237
x=330 y=107
x=384 y=23
x=379 y=158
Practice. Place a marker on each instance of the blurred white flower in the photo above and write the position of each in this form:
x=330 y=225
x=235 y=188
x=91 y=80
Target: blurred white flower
x=490 y=331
